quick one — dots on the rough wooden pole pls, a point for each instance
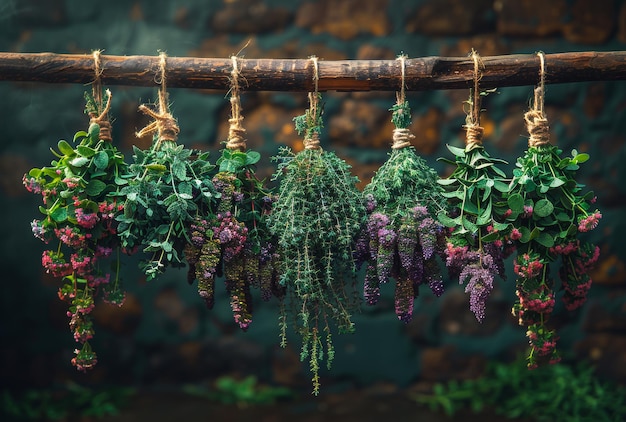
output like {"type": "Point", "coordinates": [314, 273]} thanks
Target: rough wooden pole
{"type": "Point", "coordinates": [426, 73]}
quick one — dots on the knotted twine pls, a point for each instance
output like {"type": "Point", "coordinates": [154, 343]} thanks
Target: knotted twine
{"type": "Point", "coordinates": [473, 130]}
{"type": "Point", "coordinates": [536, 120]}
{"type": "Point", "coordinates": [401, 135]}
{"type": "Point", "coordinates": [312, 138]}
{"type": "Point", "coordinates": [236, 132]}
{"type": "Point", "coordinates": [101, 119]}
{"type": "Point", "coordinates": [164, 123]}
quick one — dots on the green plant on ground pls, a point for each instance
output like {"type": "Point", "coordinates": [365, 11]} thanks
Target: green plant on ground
{"type": "Point", "coordinates": [241, 393]}
{"type": "Point", "coordinates": [550, 393]}
{"type": "Point", "coordinates": [64, 403]}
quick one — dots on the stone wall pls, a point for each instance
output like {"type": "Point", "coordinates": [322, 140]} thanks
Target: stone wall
{"type": "Point", "coordinates": [163, 333]}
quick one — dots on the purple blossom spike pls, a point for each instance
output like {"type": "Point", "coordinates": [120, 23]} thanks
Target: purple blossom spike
{"type": "Point", "coordinates": [404, 296]}
{"type": "Point", "coordinates": [371, 288]}
{"type": "Point", "coordinates": [386, 248]}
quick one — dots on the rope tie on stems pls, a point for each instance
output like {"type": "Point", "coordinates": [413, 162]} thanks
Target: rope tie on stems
{"type": "Point", "coordinates": [473, 130]}
{"type": "Point", "coordinates": [164, 123]}
{"type": "Point", "coordinates": [312, 138]}
{"type": "Point", "coordinates": [101, 119]}
{"type": "Point", "coordinates": [401, 135]}
{"type": "Point", "coordinates": [536, 120]}
{"type": "Point", "coordinates": [236, 132]}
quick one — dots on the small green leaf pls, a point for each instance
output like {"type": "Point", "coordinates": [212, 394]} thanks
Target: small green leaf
{"type": "Point", "coordinates": [556, 182]}
{"type": "Point", "coordinates": [252, 157]}
{"type": "Point", "coordinates": [94, 131]}
{"type": "Point", "coordinates": [95, 187]}
{"type": "Point", "coordinates": [79, 134]}
{"type": "Point", "coordinates": [581, 158]}
{"type": "Point", "coordinates": [59, 215]}
{"type": "Point", "coordinates": [65, 148]}
{"type": "Point", "coordinates": [156, 167]}
{"type": "Point", "coordinates": [101, 160]}
{"type": "Point", "coordinates": [490, 237]}
{"type": "Point", "coordinates": [458, 152]}
{"type": "Point", "coordinates": [447, 221]}
{"type": "Point", "coordinates": [85, 151]}
{"type": "Point", "coordinates": [516, 203]}
{"type": "Point", "coordinates": [543, 208]}
{"type": "Point", "coordinates": [544, 239]}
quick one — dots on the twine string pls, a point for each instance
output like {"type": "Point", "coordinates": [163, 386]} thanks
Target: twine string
{"type": "Point", "coordinates": [164, 123]}
{"type": "Point", "coordinates": [401, 136]}
{"type": "Point", "coordinates": [473, 130]}
{"type": "Point", "coordinates": [312, 139]}
{"type": "Point", "coordinates": [535, 118]}
{"type": "Point", "coordinates": [236, 132]}
{"type": "Point", "coordinates": [101, 119]}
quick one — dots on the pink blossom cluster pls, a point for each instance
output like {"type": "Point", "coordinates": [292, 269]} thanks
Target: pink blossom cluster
{"type": "Point", "coordinates": [527, 267]}
{"type": "Point", "coordinates": [82, 264]}
{"type": "Point", "coordinates": [72, 236]}
{"type": "Point", "coordinates": [543, 345]}
{"type": "Point", "coordinates": [565, 249]}
{"type": "Point", "coordinates": [589, 222]}
{"type": "Point", "coordinates": [231, 234]}
{"type": "Point", "coordinates": [39, 231]}
{"type": "Point", "coordinates": [31, 184]}
{"type": "Point", "coordinates": [540, 300]}
{"type": "Point", "coordinates": [86, 220]}
{"type": "Point", "coordinates": [55, 264]}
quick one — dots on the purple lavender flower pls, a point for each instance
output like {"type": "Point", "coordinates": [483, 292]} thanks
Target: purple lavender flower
{"type": "Point", "coordinates": [404, 296]}
{"type": "Point", "coordinates": [428, 236]}
{"type": "Point", "coordinates": [410, 260]}
{"type": "Point", "coordinates": [479, 285]}
{"type": "Point", "coordinates": [371, 287]}
{"type": "Point", "coordinates": [370, 203]}
{"type": "Point", "coordinates": [386, 251]}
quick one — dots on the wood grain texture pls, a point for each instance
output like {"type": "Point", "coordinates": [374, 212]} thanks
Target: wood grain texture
{"type": "Point", "coordinates": [426, 73]}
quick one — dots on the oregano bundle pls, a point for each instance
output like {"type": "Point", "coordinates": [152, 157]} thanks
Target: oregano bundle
{"type": "Point", "coordinates": [548, 210]}
{"type": "Point", "coordinates": [80, 202]}
{"type": "Point", "coordinates": [316, 219]}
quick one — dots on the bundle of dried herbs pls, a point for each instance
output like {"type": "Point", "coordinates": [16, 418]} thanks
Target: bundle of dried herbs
{"type": "Point", "coordinates": [318, 214]}
{"type": "Point", "coordinates": [235, 241]}
{"type": "Point", "coordinates": [169, 186]}
{"type": "Point", "coordinates": [79, 191]}
{"type": "Point", "coordinates": [475, 249]}
{"type": "Point", "coordinates": [402, 237]}
{"type": "Point", "coordinates": [548, 211]}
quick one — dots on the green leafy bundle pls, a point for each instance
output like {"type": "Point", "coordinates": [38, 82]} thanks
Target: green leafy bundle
{"type": "Point", "coordinates": [475, 249]}
{"type": "Point", "coordinates": [169, 186]}
{"type": "Point", "coordinates": [401, 238]}
{"type": "Point", "coordinates": [548, 210]}
{"type": "Point", "coordinates": [79, 191]}
{"type": "Point", "coordinates": [316, 219]}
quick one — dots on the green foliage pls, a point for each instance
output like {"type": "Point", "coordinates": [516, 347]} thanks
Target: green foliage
{"type": "Point", "coordinates": [404, 181]}
{"type": "Point", "coordinates": [241, 393]}
{"type": "Point", "coordinates": [67, 403]}
{"type": "Point", "coordinates": [316, 218]}
{"type": "Point", "coordinates": [167, 188]}
{"type": "Point", "coordinates": [551, 393]}
{"type": "Point", "coordinates": [473, 189]}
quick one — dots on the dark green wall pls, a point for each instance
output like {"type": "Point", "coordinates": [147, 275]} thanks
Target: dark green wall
{"type": "Point", "coordinates": [163, 333]}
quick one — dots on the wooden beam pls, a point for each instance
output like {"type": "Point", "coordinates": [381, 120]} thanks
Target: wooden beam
{"type": "Point", "coordinates": [426, 73]}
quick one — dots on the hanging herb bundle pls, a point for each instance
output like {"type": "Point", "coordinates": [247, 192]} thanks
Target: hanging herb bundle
{"type": "Point", "coordinates": [474, 251]}
{"type": "Point", "coordinates": [168, 187]}
{"type": "Point", "coordinates": [236, 241]}
{"type": "Point", "coordinates": [316, 219]}
{"type": "Point", "coordinates": [548, 210]}
{"type": "Point", "coordinates": [401, 238]}
{"type": "Point", "coordinates": [79, 191]}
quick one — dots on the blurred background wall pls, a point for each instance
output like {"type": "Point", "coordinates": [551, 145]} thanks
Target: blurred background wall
{"type": "Point", "coordinates": [163, 334]}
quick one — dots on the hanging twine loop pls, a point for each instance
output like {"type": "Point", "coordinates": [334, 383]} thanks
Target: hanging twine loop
{"type": "Point", "coordinates": [164, 123]}
{"type": "Point", "coordinates": [236, 132]}
{"type": "Point", "coordinates": [473, 130]}
{"type": "Point", "coordinates": [536, 120]}
{"type": "Point", "coordinates": [402, 136]}
{"type": "Point", "coordinates": [312, 139]}
{"type": "Point", "coordinates": [101, 119]}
